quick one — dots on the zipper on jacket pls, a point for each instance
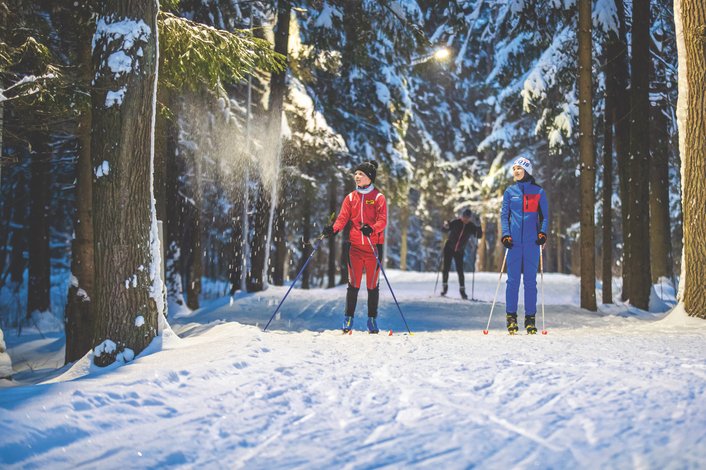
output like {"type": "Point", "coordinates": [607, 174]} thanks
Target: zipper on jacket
{"type": "Point", "coordinates": [362, 203]}
{"type": "Point", "coordinates": [522, 226]}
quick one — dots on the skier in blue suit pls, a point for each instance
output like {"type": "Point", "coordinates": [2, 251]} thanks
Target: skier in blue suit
{"type": "Point", "coordinates": [524, 218]}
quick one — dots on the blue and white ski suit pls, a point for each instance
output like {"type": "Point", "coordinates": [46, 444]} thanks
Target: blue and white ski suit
{"type": "Point", "coordinates": [525, 213]}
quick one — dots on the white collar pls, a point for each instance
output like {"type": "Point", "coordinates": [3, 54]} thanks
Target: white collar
{"type": "Point", "coordinates": [365, 190]}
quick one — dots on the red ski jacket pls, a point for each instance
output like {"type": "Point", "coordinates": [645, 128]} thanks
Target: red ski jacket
{"type": "Point", "coordinates": [362, 209]}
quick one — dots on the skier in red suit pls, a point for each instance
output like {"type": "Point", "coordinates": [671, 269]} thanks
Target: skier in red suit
{"type": "Point", "coordinates": [366, 209]}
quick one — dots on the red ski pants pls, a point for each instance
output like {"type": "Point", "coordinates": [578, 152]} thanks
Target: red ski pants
{"type": "Point", "coordinates": [362, 258]}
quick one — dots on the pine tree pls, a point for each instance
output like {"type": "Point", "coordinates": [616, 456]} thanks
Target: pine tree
{"type": "Point", "coordinates": [638, 259]}
{"type": "Point", "coordinates": [690, 16]}
{"type": "Point", "coordinates": [588, 159]}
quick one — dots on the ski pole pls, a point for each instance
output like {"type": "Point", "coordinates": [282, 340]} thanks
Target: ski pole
{"type": "Point", "coordinates": [541, 284]}
{"type": "Point", "coordinates": [316, 247]}
{"type": "Point", "coordinates": [437, 274]}
{"type": "Point", "coordinates": [375, 252]}
{"type": "Point", "coordinates": [438, 270]}
{"type": "Point", "coordinates": [485, 332]}
{"type": "Point", "coordinates": [473, 282]}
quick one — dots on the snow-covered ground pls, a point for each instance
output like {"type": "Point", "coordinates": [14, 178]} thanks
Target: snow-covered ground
{"type": "Point", "coordinates": [613, 389]}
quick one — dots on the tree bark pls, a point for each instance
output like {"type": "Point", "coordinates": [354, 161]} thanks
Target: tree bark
{"type": "Point", "coordinates": [126, 308]}
{"type": "Point", "coordinates": [660, 231]}
{"type": "Point", "coordinates": [280, 241]}
{"type": "Point", "coordinates": [192, 239]}
{"type": "Point", "coordinates": [78, 316]}
{"type": "Point", "coordinates": [258, 245]}
{"type": "Point", "coordinates": [691, 117]}
{"type": "Point", "coordinates": [560, 242]}
{"type": "Point", "coordinates": [175, 207]}
{"type": "Point", "coordinates": [306, 236]}
{"type": "Point", "coordinates": [638, 262]}
{"type": "Point", "coordinates": [333, 208]}
{"type": "Point", "coordinates": [404, 229]}
{"type": "Point", "coordinates": [235, 264]}
{"type": "Point", "coordinates": [588, 160]}
{"type": "Point", "coordinates": [607, 265]}
{"type": "Point", "coordinates": [618, 59]}
{"type": "Point", "coordinates": [38, 278]}
{"type": "Point", "coordinates": [482, 246]}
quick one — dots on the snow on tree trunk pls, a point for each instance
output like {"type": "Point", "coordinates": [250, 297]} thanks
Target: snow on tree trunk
{"type": "Point", "coordinates": [125, 69]}
{"type": "Point", "coordinates": [588, 160]}
{"type": "Point", "coordinates": [690, 28]}
{"type": "Point", "coordinates": [638, 260]}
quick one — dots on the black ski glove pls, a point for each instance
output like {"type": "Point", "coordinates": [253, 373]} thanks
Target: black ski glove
{"type": "Point", "coordinates": [367, 230]}
{"type": "Point", "coordinates": [328, 231]}
{"type": "Point", "coordinates": [541, 238]}
{"type": "Point", "coordinates": [507, 241]}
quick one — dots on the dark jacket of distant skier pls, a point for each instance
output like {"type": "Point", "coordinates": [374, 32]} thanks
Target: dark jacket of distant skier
{"type": "Point", "coordinates": [460, 231]}
{"type": "Point", "coordinates": [524, 218]}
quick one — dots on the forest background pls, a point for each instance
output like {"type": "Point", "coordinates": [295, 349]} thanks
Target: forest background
{"type": "Point", "coordinates": [263, 108]}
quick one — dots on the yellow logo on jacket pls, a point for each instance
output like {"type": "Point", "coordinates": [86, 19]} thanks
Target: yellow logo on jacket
{"type": "Point", "coordinates": [370, 201]}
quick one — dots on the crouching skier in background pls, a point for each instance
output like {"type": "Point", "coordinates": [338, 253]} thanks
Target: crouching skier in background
{"type": "Point", "coordinates": [366, 208]}
{"type": "Point", "coordinates": [524, 217]}
{"type": "Point", "coordinates": [460, 231]}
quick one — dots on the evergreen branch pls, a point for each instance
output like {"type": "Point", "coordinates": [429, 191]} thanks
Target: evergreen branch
{"type": "Point", "coordinates": [195, 54]}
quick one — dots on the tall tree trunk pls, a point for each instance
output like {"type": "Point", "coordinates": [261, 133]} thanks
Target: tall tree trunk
{"type": "Point", "coordinates": [404, 229]}
{"type": "Point", "coordinates": [690, 16]}
{"type": "Point", "coordinates": [38, 279]}
{"type": "Point", "coordinates": [280, 241]}
{"type": "Point", "coordinates": [333, 208]}
{"type": "Point", "coordinates": [618, 59]}
{"type": "Point", "coordinates": [235, 263]}
{"type": "Point", "coordinates": [560, 242]}
{"type": "Point", "coordinates": [607, 265]}
{"type": "Point", "coordinates": [638, 261]}
{"type": "Point", "coordinates": [481, 264]}
{"type": "Point", "coordinates": [268, 195]}
{"type": "Point", "coordinates": [78, 316]}
{"type": "Point", "coordinates": [125, 304]}
{"type": "Point", "coordinates": [175, 207]}
{"type": "Point", "coordinates": [660, 232]}
{"type": "Point", "coordinates": [258, 245]}
{"type": "Point", "coordinates": [306, 236]}
{"type": "Point", "coordinates": [192, 241]}
{"type": "Point", "coordinates": [588, 160]}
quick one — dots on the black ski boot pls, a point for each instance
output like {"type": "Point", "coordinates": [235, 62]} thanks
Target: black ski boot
{"type": "Point", "coordinates": [463, 293]}
{"type": "Point", "coordinates": [529, 325]}
{"type": "Point", "coordinates": [512, 323]}
{"type": "Point", "coordinates": [444, 289]}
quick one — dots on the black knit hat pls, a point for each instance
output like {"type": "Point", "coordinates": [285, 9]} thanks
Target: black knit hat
{"type": "Point", "coordinates": [467, 213]}
{"type": "Point", "coordinates": [369, 168]}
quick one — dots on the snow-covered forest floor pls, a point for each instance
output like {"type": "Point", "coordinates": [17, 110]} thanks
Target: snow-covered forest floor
{"type": "Point", "coordinates": [612, 389]}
